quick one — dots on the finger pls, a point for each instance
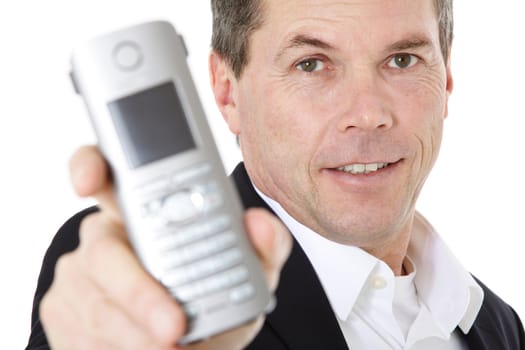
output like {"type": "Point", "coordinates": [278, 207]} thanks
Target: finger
{"type": "Point", "coordinates": [271, 240]}
{"type": "Point", "coordinates": [86, 318]}
{"type": "Point", "coordinates": [57, 320]}
{"type": "Point", "coordinates": [59, 314]}
{"type": "Point", "coordinates": [108, 323]}
{"type": "Point", "coordinates": [88, 171]}
{"type": "Point", "coordinates": [125, 281]}
{"type": "Point", "coordinates": [90, 177]}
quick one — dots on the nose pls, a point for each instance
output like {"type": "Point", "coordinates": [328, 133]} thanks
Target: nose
{"type": "Point", "coordinates": [366, 107]}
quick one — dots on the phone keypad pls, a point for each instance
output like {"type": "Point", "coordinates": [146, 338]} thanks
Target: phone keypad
{"type": "Point", "coordinates": [199, 256]}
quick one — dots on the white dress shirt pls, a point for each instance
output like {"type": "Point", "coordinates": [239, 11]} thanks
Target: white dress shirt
{"type": "Point", "coordinates": [377, 310]}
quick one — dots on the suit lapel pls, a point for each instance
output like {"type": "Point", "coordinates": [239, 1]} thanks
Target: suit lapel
{"type": "Point", "coordinates": [303, 318]}
{"type": "Point", "coordinates": [478, 339]}
{"type": "Point", "coordinates": [481, 336]}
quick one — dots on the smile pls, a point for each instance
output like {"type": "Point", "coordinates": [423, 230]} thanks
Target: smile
{"type": "Point", "coordinates": [356, 169]}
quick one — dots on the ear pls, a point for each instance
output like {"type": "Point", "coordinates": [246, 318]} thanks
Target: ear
{"type": "Point", "coordinates": [449, 84]}
{"type": "Point", "coordinates": [223, 84]}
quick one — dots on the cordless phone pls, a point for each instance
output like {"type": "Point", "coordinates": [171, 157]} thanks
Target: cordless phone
{"type": "Point", "coordinates": [183, 215]}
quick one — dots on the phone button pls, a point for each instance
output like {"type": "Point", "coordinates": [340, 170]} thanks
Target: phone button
{"type": "Point", "coordinates": [127, 55]}
{"type": "Point", "coordinates": [169, 240]}
{"type": "Point", "coordinates": [242, 293]}
{"type": "Point", "coordinates": [223, 280]}
{"type": "Point", "coordinates": [199, 250]}
{"type": "Point", "coordinates": [182, 206]}
{"type": "Point", "coordinates": [202, 268]}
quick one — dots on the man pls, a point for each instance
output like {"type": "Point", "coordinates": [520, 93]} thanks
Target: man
{"type": "Point", "coordinates": [339, 109]}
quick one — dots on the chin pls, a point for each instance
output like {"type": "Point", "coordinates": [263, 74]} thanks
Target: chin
{"type": "Point", "coordinates": [364, 228]}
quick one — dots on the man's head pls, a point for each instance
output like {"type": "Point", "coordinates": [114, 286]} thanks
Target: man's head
{"type": "Point", "coordinates": [339, 108]}
{"type": "Point", "coordinates": [235, 20]}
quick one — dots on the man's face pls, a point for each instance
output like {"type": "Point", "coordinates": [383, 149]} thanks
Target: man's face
{"type": "Point", "coordinates": [340, 112]}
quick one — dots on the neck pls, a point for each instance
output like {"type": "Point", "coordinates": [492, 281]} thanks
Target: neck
{"type": "Point", "coordinates": [393, 252]}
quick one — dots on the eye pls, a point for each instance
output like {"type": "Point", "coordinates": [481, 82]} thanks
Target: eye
{"type": "Point", "coordinates": [402, 61]}
{"type": "Point", "coordinates": [310, 65]}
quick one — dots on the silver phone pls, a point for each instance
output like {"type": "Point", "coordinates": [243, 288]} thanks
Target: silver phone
{"type": "Point", "coordinates": [182, 213]}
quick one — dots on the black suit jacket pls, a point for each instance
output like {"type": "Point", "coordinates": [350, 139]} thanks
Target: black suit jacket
{"type": "Point", "coordinates": [303, 318]}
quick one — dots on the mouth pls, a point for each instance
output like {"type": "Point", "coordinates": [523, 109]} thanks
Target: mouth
{"type": "Point", "coordinates": [362, 168]}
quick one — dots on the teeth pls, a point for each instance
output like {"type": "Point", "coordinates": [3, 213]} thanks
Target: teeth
{"type": "Point", "coordinates": [362, 168]}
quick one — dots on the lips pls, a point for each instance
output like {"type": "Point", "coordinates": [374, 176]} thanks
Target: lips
{"type": "Point", "coordinates": [363, 177]}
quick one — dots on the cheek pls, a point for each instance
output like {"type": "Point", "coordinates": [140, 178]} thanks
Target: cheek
{"type": "Point", "coordinates": [435, 107]}
{"type": "Point", "coordinates": [422, 110]}
{"type": "Point", "coordinates": [429, 131]}
{"type": "Point", "coordinates": [281, 120]}
{"type": "Point", "coordinates": [263, 131]}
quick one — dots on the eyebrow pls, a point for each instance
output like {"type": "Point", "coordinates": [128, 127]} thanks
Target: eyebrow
{"type": "Point", "coordinates": [302, 40]}
{"type": "Point", "coordinates": [409, 44]}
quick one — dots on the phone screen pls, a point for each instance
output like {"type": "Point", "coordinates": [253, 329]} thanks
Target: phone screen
{"type": "Point", "coordinates": [151, 125]}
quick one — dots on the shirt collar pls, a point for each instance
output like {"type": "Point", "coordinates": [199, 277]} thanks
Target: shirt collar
{"type": "Point", "coordinates": [443, 285]}
{"type": "Point", "coordinates": [449, 292]}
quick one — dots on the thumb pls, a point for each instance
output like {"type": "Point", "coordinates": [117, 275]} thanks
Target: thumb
{"type": "Point", "coordinates": [91, 177]}
{"type": "Point", "coordinates": [271, 240]}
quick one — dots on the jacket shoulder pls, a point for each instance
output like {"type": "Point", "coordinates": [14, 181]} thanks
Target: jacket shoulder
{"type": "Point", "coordinates": [497, 323]}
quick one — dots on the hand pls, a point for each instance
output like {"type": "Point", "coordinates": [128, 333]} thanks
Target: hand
{"type": "Point", "coordinates": [101, 296]}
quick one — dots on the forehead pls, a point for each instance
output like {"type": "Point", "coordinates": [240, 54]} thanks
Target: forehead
{"type": "Point", "coordinates": [345, 22]}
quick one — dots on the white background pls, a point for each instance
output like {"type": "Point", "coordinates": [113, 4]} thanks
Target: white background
{"type": "Point", "coordinates": [474, 196]}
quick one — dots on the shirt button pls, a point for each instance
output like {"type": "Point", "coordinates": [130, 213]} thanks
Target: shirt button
{"type": "Point", "coordinates": [378, 282]}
